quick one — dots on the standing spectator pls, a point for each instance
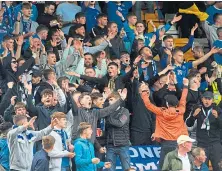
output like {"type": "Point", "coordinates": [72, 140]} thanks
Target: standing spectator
{"type": "Point", "coordinates": [21, 142]}
{"type": "Point", "coordinates": [209, 119]}
{"type": "Point", "coordinates": [123, 7]}
{"type": "Point", "coordinates": [34, 10]}
{"type": "Point", "coordinates": [169, 120]}
{"type": "Point", "coordinates": [91, 14]}
{"type": "Point", "coordinates": [212, 10]}
{"type": "Point", "coordinates": [101, 27]}
{"type": "Point", "coordinates": [4, 151]}
{"type": "Point", "coordinates": [85, 157]}
{"type": "Point", "coordinates": [67, 11]}
{"type": "Point", "coordinates": [199, 159]}
{"type": "Point", "coordinates": [24, 24]}
{"type": "Point", "coordinates": [181, 68]}
{"type": "Point", "coordinates": [47, 18]}
{"type": "Point", "coordinates": [41, 159]}
{"type": "Point", "coordinates": [117, 125]}
{"type": "Point", "coordinates": [63, 149]}
{"type": "Point", "coordinates": [218, 44]}
{"type": "Point", "coordinates": [180, 159]}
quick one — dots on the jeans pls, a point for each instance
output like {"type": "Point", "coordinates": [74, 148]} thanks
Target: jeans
{"type": "Point", "coordinates": [122, 152]}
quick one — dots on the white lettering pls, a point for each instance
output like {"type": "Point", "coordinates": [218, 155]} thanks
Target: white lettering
{"type": "Point", "coordinates": [157, 151]}
{"type": "Point", "coordinates": [145, 153]}
{"type": "Point", "coordinates": [135, 153]}
{"type": "Point", "coordinates": [148, 166]}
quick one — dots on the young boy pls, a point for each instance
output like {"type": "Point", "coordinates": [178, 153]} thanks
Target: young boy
{"type": "Point", "coordinates": [218, 44]}
{"type": "Point", "coordinates": [62, 150]}
{"type": "Point", "coordinates": [85, 158]}
{"type": "Point", "coordinates": [21, 142]}
{"type": "Point", "coordinates": [4, 151]}
{"type": "Point", "coordinates": [41, 160]}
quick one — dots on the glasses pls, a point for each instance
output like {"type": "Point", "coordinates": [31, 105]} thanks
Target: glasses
{"type": "Point", "coordinates": [14, 62]}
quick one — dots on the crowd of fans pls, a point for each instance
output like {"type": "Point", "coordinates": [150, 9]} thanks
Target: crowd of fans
{"type": "Point", "coordinates": [79, 85]}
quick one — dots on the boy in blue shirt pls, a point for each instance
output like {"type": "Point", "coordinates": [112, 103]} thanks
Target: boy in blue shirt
{"type": "Point", "coordinates": [182, 68]}
{"type": "Point", "coordinates": [85, 156]}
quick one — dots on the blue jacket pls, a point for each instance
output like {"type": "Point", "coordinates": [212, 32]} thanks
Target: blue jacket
{"type": "Point", "coordinates": [4, 154]}
{"type": "Point", "coordinates": [203, 167]}
{"type": "Point", "coordinates": [40, 161]}
{"type": "Point", "coordinates": [84, 151]}
{"type": "Point", "coordinates": [131, 35]}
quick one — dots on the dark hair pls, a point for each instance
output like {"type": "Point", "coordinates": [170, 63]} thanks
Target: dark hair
{"type": "Point", "coordinates": [26, 5]}
{"type": "Point", "coordinates": [216, 16]}
{"type": "Point", "coordinates": [47, 92]}
{"type": "Point", "coordinates": [141, 22]}
{"type": "Point", "coordinates": [90, 68]}
{"type": "Point", "coordinates": [110, 24]}
{"type": "Point", "coordinates": [193, 73]}
{"type": "Point", "coordinates": [123, 53]}
{"type": "Point", "coordinates": [79, 15]}
{"type": "Point", "coordinates": [60, 79]}
{"type": "Point", "coordinates": [141, 50]}
{"type": "Point", "coordinates": [130, 15]}
{"type": "Point", "coordinates": [101, 16]}
{"type": "Point", "coordinates": [167, 37]}
{"type": "Point", "coordinates": [219, 30]}
{"type": "Point", "coordinates": [47, 72]}
{"type": "Point", "coordinates": [41, 28]}
{"type": "Point", "coordinates": [48, 3]}
{"type": "Point", "coordinates": [7, 37]}
{"type": "Point", "coordinates": [5, 126]}
{"type": "Point", "coordinates": [82, 95]}
{"type": "Point", "coordinates": [87, 53]}
{"type": "Point", "coordinates": [95, 95]}
{"type": "Point", "coordinates": [113, 63]}
{"type": "Point", "coordinates": [19, 105]}
{"type": "Point", "coordinates": [50, 53]}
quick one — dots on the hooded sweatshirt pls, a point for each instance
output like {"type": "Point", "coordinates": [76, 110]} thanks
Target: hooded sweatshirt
{"type": "Point", "coordinates": [84, 151]}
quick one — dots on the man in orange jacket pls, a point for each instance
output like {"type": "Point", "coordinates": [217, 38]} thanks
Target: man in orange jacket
{"type": "Point", "coordinates": [169, 120]}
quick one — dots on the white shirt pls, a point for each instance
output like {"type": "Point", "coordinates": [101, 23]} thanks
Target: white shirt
{"type": "Point", "coordinates": [185, 161]}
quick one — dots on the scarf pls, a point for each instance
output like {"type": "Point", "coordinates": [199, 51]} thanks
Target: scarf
{"type": "Point", "coordinates": [26, 25]}
{"type": "Point", "coordinates": [111, 84]}
{"type": "Point", "coordinates": [20, 137]}
{"type": "Point", "coordinates": [64, 138]}
{"type": "Point", "coordinates": [206, 123]}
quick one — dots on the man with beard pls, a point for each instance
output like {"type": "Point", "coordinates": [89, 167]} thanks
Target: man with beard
{"type": "Point", "coordinates": [209, 121]}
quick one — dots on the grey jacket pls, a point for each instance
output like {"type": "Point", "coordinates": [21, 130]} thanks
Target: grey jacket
{"type": "Point", "coordinates": [21, 153]}
{"type": "Point", "coordinates": [91, 116]}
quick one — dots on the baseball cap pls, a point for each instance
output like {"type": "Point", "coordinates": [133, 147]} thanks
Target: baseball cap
{"type": "Point", "coordinates": [36, 73]}
{"type": "Point", "coordinates": [208, 94]}
{"type": "Point", "coordinates": [184, 138]}
{"type": "Point", "coordinates": [172, 100]}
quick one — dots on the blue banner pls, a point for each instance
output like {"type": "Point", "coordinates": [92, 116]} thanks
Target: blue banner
{"type": "Point", "coordinates": [143, 158]}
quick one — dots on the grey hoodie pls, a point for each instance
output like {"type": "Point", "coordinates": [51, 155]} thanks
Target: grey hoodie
{"type": "Point", "coordinates": [91, 116]}
{"type": "Point", "coordinates": [21, 153]}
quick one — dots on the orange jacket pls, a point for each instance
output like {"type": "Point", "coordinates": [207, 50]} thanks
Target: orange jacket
{"type": "Point", "coordinates": [169, 121]}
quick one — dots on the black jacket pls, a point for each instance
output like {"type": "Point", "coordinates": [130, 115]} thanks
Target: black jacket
{"type": "Point", "coordinates": [206, 137]}
{"type": "Point", "coordinates": [98, 31]}
{"type": "Point", "coordinates": [143, 120]}
{"type": "Point", "coordinates": [117, 126]}
{"type": "Point", "coordinates": [120, 81]}
{"type": "Point", "coordinates": [45, 19]}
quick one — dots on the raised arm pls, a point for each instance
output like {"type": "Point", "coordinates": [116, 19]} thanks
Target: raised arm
{"type": "Point", "coordinates": [182, 103]}
{"type": "Point", "coordinates": [33, 110]}
{"type": "Point", "coordinates": [205, 57]}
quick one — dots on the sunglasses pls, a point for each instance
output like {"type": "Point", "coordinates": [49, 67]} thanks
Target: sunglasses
{"type": "Point", "coordinates": [14, 62]}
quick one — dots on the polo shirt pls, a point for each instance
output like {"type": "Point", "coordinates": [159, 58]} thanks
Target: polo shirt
{"type": "Point", "coordinates": [182, 72]}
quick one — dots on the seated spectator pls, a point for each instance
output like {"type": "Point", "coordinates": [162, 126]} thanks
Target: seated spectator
{"type": "Point", "coordinates": [199, 159]}
{"type": "Point", "coordinates": [85, 157]}
{"type": "Point", "coordinates": [5, 127]}
{"type": "Point", "coordinates": [180, 159]}
{"type": "Point", "coordinates": [40, 160]}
